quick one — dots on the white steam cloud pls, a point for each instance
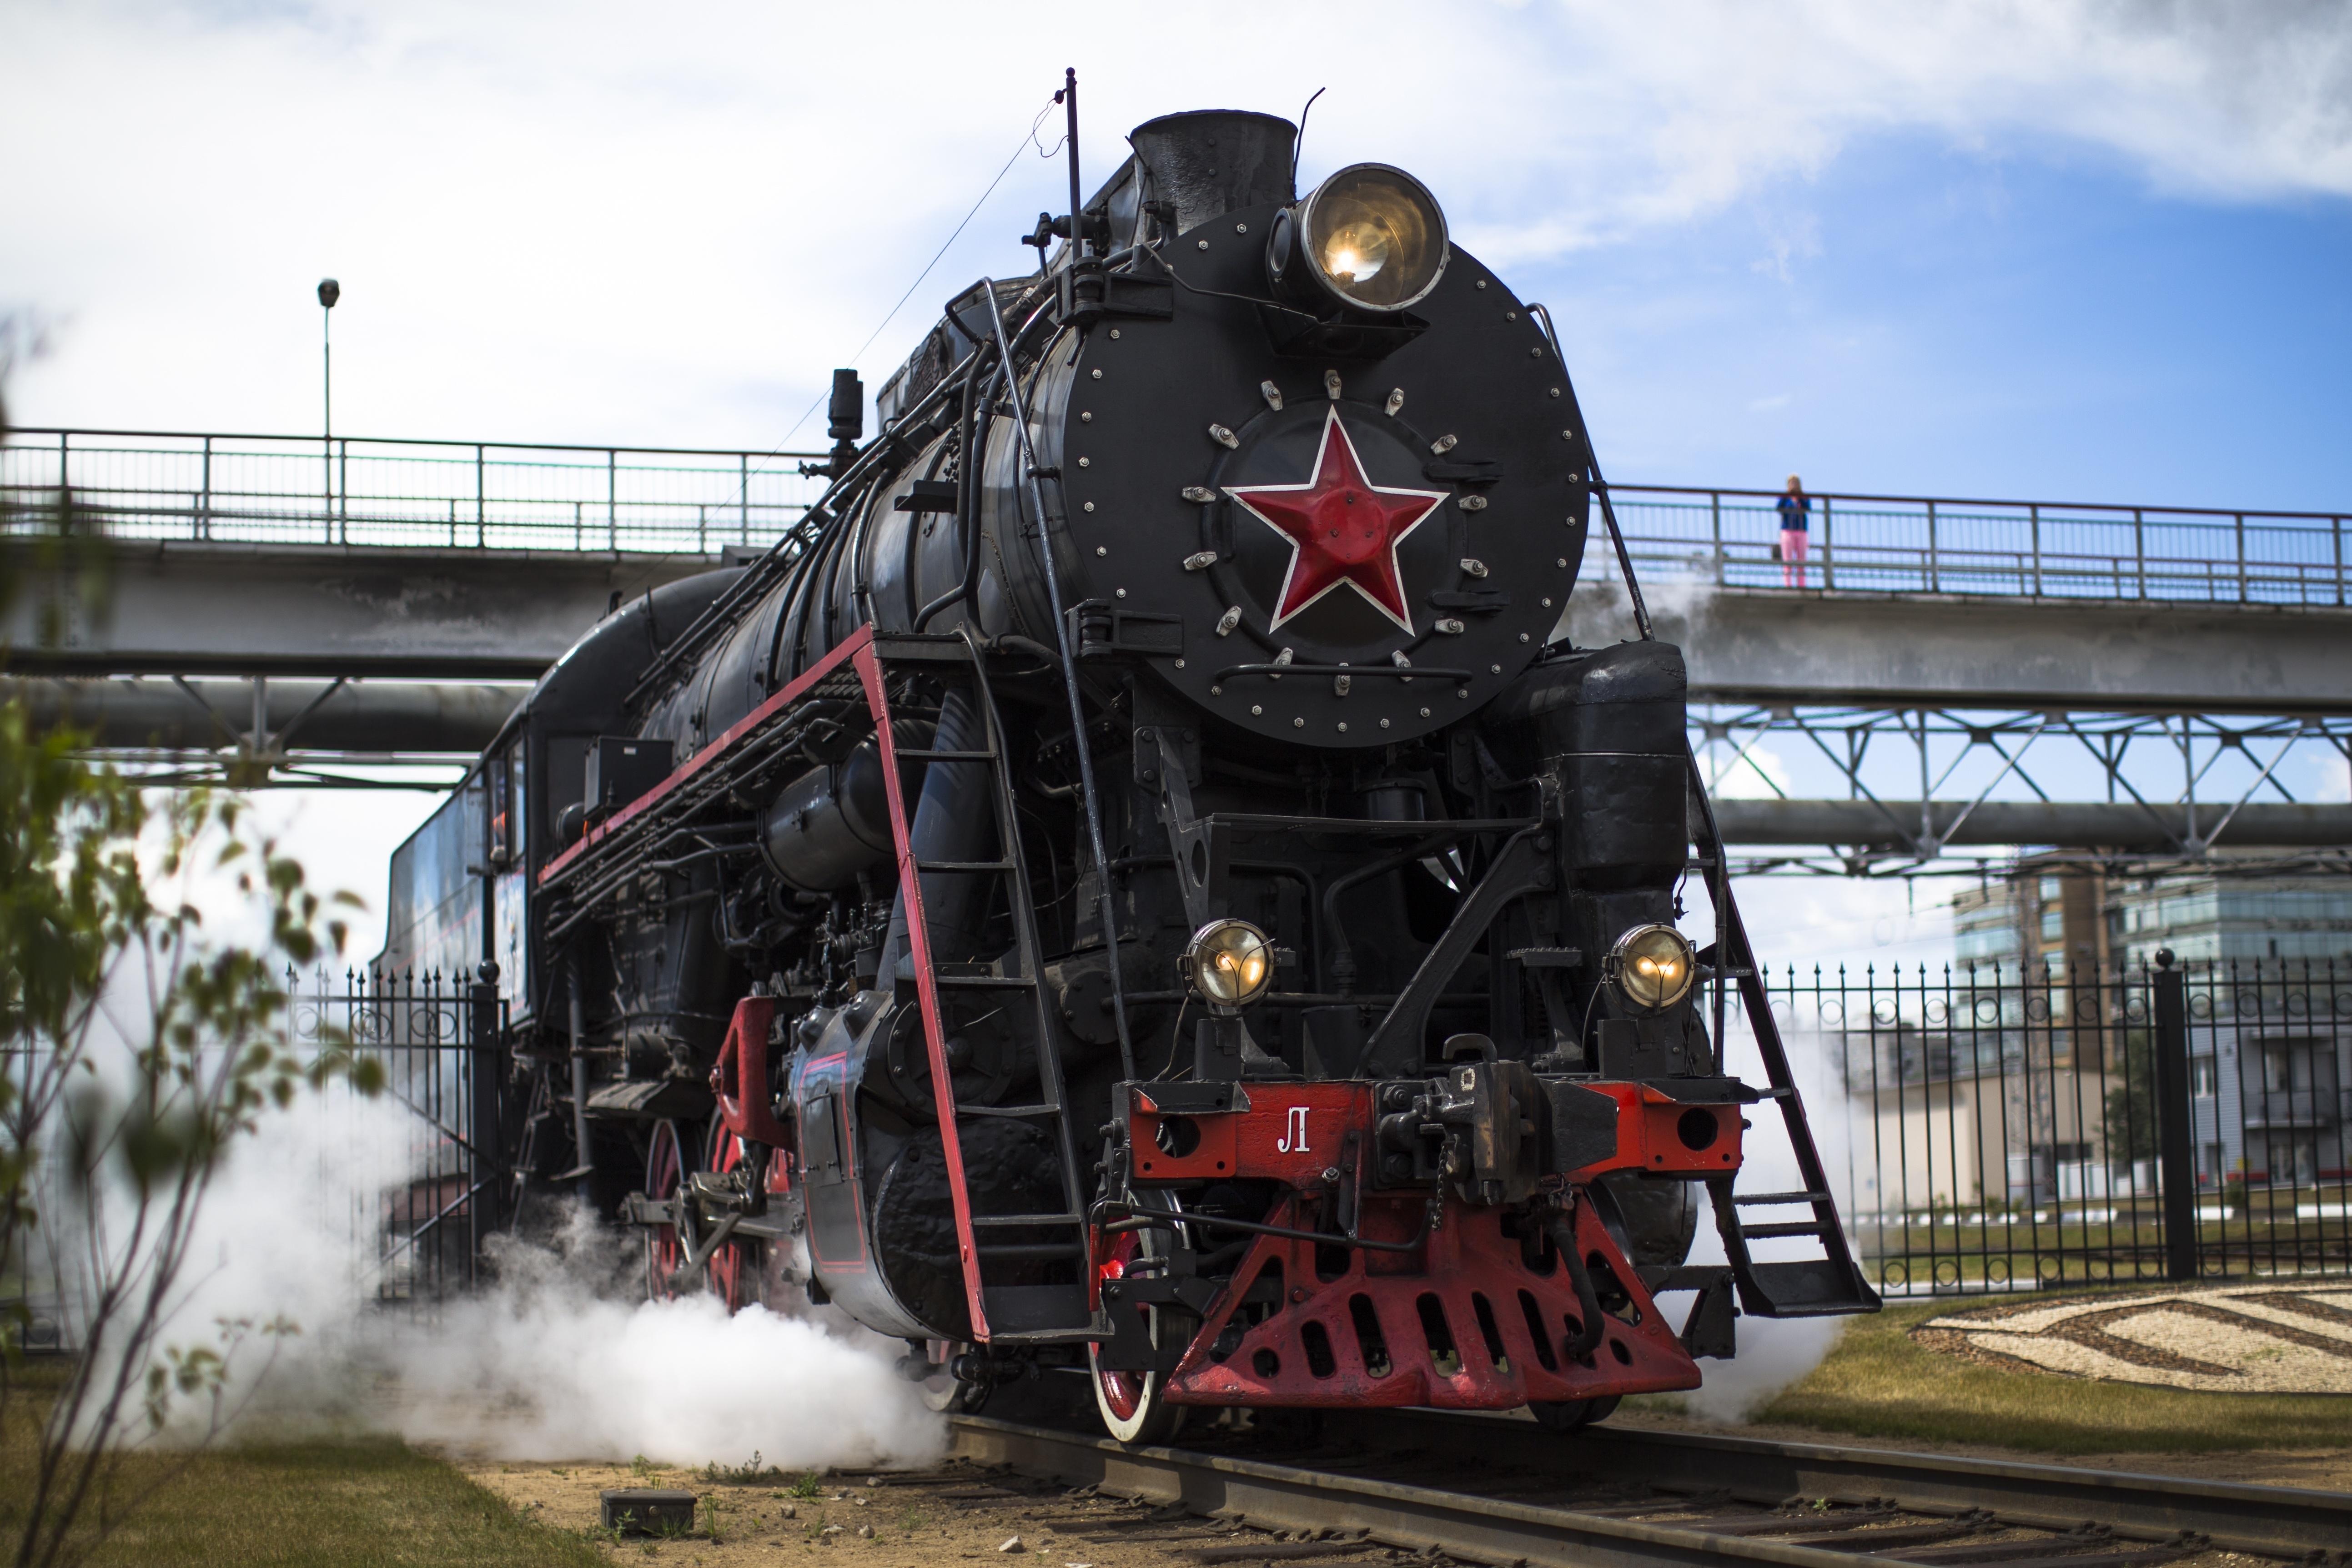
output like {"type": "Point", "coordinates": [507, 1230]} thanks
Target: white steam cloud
{"type": "Point", "coordinates": [1774, 1353]}
{"type": "Point", "coordinates": [559, 1358]}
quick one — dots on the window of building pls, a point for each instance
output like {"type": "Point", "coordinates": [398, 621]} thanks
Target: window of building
{"type": "Point", "coordinates": [2202, 1080]}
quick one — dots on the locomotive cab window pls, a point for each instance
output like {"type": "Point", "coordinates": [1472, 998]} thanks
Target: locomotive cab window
{"type": "Point", "coordinates": [502, 784]}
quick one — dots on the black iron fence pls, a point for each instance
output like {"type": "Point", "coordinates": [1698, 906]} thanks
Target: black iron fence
{"type": "Point", "coordinates": [2009, 1129]}
{"type": "Point", "coordinates": [420, 1166]}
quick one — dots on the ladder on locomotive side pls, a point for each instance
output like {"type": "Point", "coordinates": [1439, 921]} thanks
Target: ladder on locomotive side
{"type": "Point", "coordinates": [1830, 1285]}
{"type": "Point", "coordinates": [1002, 1313]}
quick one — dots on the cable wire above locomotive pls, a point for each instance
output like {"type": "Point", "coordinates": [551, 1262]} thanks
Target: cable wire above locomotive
{"type": "Point", "coordinates": [1134, 881]}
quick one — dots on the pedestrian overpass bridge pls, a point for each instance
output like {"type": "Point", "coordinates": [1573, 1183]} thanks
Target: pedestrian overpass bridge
{"type": "Point", "coordinates": [385, 601]}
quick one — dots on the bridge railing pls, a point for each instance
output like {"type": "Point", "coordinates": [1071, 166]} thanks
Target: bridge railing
{"type": "Point", "coordinates": [502, 495]}
{"type": "Point", "coordinates": [1919, 544]}
{"type": "Point", "coordinates": [288, 491]}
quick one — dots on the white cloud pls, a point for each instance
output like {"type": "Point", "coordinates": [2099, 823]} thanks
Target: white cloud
{"type": "Point", "coordinates": [1759, 772]}
{"type": "Point", "coordinates": [592, 221]}
{"type": "Point", "coordinates": [2334, 774]}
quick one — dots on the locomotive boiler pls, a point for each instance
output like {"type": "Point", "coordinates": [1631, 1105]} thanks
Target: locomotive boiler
{"type": "Point", "coordinates": [1137, 883]}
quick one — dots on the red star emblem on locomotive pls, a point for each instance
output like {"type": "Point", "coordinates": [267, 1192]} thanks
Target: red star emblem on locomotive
{"type": "Point", "coordinates": [1343, 529]}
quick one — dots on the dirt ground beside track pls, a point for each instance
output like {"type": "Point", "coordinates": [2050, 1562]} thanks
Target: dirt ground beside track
{"type": "Point", "coordinates": [942, 1517]}
{"type": "Point", "coordinates": [2327, 1469]}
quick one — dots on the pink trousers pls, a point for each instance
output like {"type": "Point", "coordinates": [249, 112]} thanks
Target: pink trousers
{"type": "Point", "coordinates": [1792, 557]}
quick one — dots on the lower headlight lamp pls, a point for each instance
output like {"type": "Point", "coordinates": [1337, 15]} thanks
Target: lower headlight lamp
{"type": "Point", "coordinates": [1230, 963]}
{"type": "Point", "coordinates": [1653, 967]}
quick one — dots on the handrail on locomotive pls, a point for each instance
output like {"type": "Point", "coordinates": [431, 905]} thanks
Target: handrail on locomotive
{"type": "Point", "coordinates": [1129, 884]}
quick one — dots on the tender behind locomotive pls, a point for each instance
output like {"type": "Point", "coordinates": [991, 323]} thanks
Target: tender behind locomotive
{"type": "Point", "coordinates": [1133, 882]}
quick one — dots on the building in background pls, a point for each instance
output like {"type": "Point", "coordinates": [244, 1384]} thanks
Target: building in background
{"type": "Point", "coordinates": [2037, 1086]}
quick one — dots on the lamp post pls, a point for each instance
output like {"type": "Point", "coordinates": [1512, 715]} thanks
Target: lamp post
{"type": "Point", "coordinates": [329, 292]}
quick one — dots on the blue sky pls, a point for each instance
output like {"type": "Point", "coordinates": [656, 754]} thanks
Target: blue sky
{"type": "Point", "coordinates": [2076, 249]}
{"type": "Point", "coordinates": [2028, 321]}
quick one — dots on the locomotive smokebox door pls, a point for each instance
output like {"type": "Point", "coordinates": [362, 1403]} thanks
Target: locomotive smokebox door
{"type": "Point", "coordinates": [1344, 545]}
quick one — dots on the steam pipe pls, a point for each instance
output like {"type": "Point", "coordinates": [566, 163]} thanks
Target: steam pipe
{"type": "Point", "coordinates": [1077, 239]}
{"type": "Point", "coordinates": [1069, 661]}
{"type": "Point", "coordinates": [579, 1076]}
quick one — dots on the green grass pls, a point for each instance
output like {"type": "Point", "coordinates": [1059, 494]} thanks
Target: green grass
{"type": "Point", "coordinates": [1880, 1383]}
{"type": "Point", "coordinates": [367, 1502]}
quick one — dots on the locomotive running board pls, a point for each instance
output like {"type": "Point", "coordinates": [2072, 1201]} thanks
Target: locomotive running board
{"type": "Point", "coordinates": [1825, 1287]}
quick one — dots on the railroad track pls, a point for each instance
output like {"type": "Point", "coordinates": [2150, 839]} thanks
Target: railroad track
{"type": "Point", "coordinates": [1484, 1489]}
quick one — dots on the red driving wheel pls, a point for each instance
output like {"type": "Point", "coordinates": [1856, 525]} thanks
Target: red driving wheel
{"type": "Point", "coordinates": [738, 1271]}
{"type": "Point", "coordinates": [664, 1173]}
{"type": "Point", "coordinates": [1132, 1404]}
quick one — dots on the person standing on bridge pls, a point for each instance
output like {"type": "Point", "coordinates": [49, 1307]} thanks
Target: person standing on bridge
{"type": "Point", "coordinates": [1796, 509]}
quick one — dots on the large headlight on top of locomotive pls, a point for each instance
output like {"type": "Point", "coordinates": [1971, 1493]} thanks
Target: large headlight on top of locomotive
{"type": "Point", "coordinates": [1229, 963]}
{"type": "Point", "coordinates": [1370, 238]}
{"type": "Point", "coordinates": [1652, 967]}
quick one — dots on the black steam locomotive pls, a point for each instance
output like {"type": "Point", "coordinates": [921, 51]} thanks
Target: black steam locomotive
{"type": "Point", "coordinates": [1136, 883]}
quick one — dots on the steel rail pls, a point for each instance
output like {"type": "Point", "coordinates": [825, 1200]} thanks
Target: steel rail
{"type": "Point", "coordinates": [1415, 1518]}
{"type": "Point", "coordinates": [2263, 1521]}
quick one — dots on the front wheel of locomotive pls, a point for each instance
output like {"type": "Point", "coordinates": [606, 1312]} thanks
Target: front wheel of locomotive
{"type": "Point", "coordinates": [1133, 1404]}
{"type": "Point", "coordinates": [1573, 1415]}
{"type": "Point", "coordinates": [666, 1173]}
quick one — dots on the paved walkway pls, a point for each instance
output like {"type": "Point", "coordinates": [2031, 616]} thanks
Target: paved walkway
{"type": "Point", "coordinates": [2269, 1337]}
